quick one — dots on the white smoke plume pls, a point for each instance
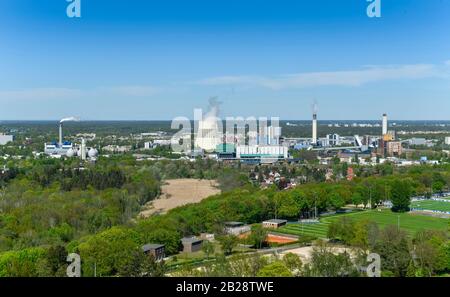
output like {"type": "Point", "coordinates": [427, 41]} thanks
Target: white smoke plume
{"type": "Point", "coordinates": [213, 108]}
{"type": "Point", "coordinates": [69, 119]}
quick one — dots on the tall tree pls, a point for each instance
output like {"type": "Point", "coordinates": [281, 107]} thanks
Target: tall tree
{"type": "Point", "coordinates": [400, 196]}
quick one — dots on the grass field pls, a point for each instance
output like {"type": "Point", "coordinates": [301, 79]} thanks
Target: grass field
{"type": "Point", "coordinates": [432, 205]}
{"type": "Point", "coordinates": [409, 222]}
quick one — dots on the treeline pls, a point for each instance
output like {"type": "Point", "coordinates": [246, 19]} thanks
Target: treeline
{"type": "Point", "coordinates": [425, 254]}
{"type": "Point", "coordinates": [99, 179]}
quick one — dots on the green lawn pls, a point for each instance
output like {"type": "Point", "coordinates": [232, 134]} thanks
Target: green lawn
{"type": "Point", "coordinates": [411, 223]}
{"type": "Point", "coordinates": [432, 205]}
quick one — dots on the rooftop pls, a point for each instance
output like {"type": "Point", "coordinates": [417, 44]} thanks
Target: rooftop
{"type": "Point", "coordinates": [191, 239]}
{"type": "Point", "coordinates": [152, 246]}
{"type": "Point", "coordinates": [276, 221]}
{"type": "Point", "coordinates": [233, 224]}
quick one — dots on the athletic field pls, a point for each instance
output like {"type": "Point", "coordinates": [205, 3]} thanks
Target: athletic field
{"type": "Point", "coordinates": [411, 223]}
{"type": "Point", "coordinates": [431, 205]}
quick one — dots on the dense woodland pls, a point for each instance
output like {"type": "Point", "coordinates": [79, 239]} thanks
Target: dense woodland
{"type": "Point", "coordinates": [51, 207]}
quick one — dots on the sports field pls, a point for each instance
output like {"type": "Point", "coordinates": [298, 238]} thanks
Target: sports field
{"type": "Point", "coordinates": [411, 223]}
{"type": "Point", "coordinates": [431, 205]}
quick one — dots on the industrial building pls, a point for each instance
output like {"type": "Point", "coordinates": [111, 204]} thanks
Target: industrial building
{"type": "Point", "coordinates": [417, 141]}
{"type": "Point", "coordinates": [394, 148]}
{"type": "Point", "coordinates": [333, 139]}
{"type": "Point", "coordinates": [157, 142]}
{"type": "Point", "coordinates": [270, 136]}
{"type": "Point", "coordinates": [4, 139]}
{"type": "Point", "coordinates": [266, 150]}
{"type": "Point", "coordinates": [387, 145]}
{"type": "Point", "coordinates": [262, 154]}
{"type": "Point", "coordinates": [67, 148]}
{"type": "Point", "coordinates": [61, 147]}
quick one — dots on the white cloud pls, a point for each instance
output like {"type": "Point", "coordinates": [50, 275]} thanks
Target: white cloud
{"type": "Point", "coordinates": [67, 93]}
{"type": "Point", "coordinates": [334, 78]}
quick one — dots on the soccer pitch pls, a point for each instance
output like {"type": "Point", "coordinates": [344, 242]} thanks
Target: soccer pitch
{"type": "Point", "coordinates": [411, 223]}
{"type": "Point", "coordinates": [431, 205]}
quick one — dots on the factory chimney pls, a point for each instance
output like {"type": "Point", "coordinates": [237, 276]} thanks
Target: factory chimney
{"type": "Point", "coordinates": [314, 129]}
{"type": "Point", "coordinates": [385, 124]}
{"type": "Point", "coordinates": [314, 124]}
{"type": "Point", "coordinates": [83, 149]}
{"type": "Point", "coordinates": [70, 119]}
{"type": "Point", "coordinates": [60, 134]}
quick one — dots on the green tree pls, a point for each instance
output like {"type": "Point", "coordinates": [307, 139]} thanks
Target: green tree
{"type": "Point", "coordinates": [400, 196]}
{"type": "Point", "coordinates": [228, 243]}
{"type": "Point", "coordinates": [293, 263]}
{"type": "Point", "coordinates": [208, 248]}
{"type": "Point", "coordinates": [429, 252]}
{"type": "Point", "coordinates": [258, 236]}
{"type": "Point", "coordinates": [105, 253]}
{"type": "Point", "coordinates": [324, 263]}
{"type": "Point", "coordinates": [392, 247]}
{"type": "Point", "coordinates": [275, 269]}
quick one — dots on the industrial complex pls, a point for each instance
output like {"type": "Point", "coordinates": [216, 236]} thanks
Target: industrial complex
{"type": "Point", "coordinates": [271, 147]}
{"type": "Point", "coordinates": [67, 148]}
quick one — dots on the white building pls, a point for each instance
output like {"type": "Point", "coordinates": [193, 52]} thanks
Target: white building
{"type": "Point", "coordinates": [271, 136]}
{"type": "Point", "coordinates": [333, 139]}
{"type": "Point", "coordinates": [4, 139]}
{"type": "Point", "coordinates": [263, 153]}
{"type": "Point", "coordinates": [157, 142]}
{"type": "Point", "coordinates": [447, 140]}
{"type": "Point", "coordinates": [417, 141]}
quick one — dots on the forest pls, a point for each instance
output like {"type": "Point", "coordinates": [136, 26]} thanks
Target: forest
{"type": "Point", "coordinates": [50, 207]}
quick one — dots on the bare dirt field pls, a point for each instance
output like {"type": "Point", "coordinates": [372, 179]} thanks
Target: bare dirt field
{"type": "Point", "coordinates": [305, 253]}
{"type": "Point", "coordinates": [178, 192]}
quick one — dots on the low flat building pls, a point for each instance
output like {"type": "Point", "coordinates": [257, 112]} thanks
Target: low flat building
{"type": "Point", "coordinates": [155, 249]}
{"type": "Point", "coordinates": [417, 141]}
{"type": "Point", "coordinates": [236, 228]}
{"type": "Point", "coordinates": [274, 223]}
{"type": "Point", "coordinates": [262, 153]}
{"type": "Point", "coordinates": [191, 244]}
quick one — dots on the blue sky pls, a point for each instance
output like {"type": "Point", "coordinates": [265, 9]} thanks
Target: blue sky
{"type": "Point", "coordinates": [151, 60]}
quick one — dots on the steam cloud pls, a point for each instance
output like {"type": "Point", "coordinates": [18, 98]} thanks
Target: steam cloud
{"type": "Point", "coordinates": [69, 119]}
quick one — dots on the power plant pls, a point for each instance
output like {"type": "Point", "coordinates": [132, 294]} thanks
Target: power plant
{"type": "Point", "coordinates": [67, 148]}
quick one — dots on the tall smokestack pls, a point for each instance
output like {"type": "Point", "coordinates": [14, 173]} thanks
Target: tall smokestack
{"type": "Point", "coordinates": [385, 124]}
{"type": "Point", "coordinates": [70, 119]}
{"type": "Point", "coordinates": [83, 149]}
{"type": "Point", "coordinates": [314, 129]}
{"type": "Point", "coordinates": [60, 134]}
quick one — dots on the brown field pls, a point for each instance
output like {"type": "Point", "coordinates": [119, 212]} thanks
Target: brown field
{"type": "Point", "coordinates": [272, 238]}
{"type": "Point", "coordinates": [178, 192]}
